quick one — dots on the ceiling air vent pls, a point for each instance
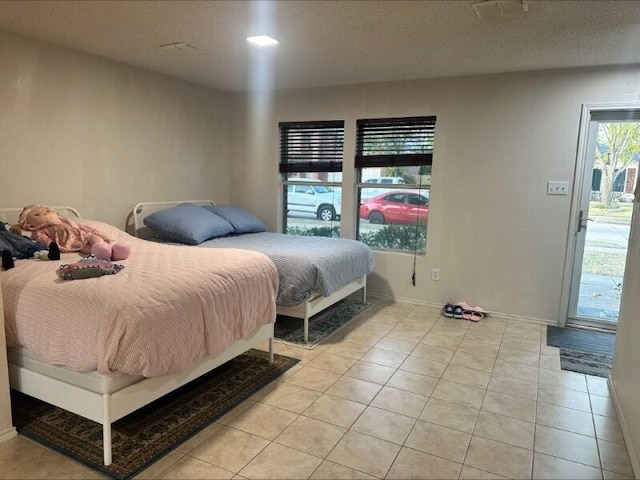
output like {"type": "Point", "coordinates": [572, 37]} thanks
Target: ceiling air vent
{"type": "Point", "coordinates": [499, 8]}
{"type": "Point", "coordinates": [182, 46]}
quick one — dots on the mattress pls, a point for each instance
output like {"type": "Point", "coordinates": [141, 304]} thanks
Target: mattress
{"type": "Point", "coordinates": [168, 308]}
{"type": "Point", "coordinates": [306, 265]}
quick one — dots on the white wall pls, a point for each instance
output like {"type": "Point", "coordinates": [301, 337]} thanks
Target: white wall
{"type": "Point", "coordinates": [497, 238]}
{"type": "Point", "coordinates": [625, 377]}
{"type": "Point", "coordinates": [101, 136]}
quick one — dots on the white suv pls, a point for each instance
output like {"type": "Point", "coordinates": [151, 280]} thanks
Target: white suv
{"type": "Point", "coordinates": [323, 201]}
{"type": "Point", "coordinates": [387, 180]}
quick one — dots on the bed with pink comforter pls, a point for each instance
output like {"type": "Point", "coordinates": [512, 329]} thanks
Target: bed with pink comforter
{"type": "Point", "coordinates": [167, 309]}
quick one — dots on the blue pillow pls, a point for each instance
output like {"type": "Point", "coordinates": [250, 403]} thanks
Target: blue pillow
{"type": "Point", "coordinates": [242, 220]}
{"type": "Point", "coordinates": [187, 223]}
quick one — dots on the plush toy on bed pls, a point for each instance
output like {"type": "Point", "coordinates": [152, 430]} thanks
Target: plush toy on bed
{"type": "Point", "coordinates": [46, 226]}
{"type": "Point", "coordinates": [15, 245]}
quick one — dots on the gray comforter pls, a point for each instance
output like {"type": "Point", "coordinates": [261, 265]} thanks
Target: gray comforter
{"type": "Point", "coordinates": [305, 264]}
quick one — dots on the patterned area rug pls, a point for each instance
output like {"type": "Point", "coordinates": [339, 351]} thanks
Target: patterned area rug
{"type": "Point", "coordinates": [144, 436]}
{"type": "Point", "coordinates": [321, 325]}
{"type": "Point", "coordinates": [583, 351]}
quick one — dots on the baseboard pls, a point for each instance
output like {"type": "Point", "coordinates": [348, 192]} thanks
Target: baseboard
{"type": "Point", "coordinates": [633, 457]}
{"type": "Point", "coordinates": [7, 434]}
{"type": "Point", "coordinates": [504, 316]}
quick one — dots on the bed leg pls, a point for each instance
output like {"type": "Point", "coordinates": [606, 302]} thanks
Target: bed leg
{"type": "Point", "coordinates": [270, 349]}
{"type": "Point", "coordinates": [364, 293]}
{"type": "Point", "coordinates": [106, 428]}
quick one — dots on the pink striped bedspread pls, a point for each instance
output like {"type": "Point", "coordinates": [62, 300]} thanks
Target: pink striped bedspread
{"type": "Point", "coordinates": [168, 308]}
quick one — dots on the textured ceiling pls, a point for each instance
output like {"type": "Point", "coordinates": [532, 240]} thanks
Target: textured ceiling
{"type": "Point", "coordinates": [326, 43]}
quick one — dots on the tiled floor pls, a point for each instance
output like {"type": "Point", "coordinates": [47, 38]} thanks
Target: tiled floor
{"type": "Point", "coordinates": [400, 393]}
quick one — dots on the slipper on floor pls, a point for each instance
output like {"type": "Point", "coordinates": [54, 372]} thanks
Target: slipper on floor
{"type": "Point", "coordinates": [447, 310]}
{"type": "Point", "coordinates": [465, 306]}
{"type": "Point", "coordinates": [475, 316]}
{"type": "Point", "coordinates": [457, 311]}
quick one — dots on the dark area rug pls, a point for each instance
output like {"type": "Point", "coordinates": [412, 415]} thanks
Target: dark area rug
{"type": "Point", "coordinates": [583, 351]}
{"type": "Point", "coordinates": [321, 325]}
{"type": "Point", "coordinates": [144, 436]}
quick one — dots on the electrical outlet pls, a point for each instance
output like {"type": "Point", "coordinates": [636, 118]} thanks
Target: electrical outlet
{"type": "Point", "coordinates": [557, 188]}
{"type": "Point", "coordinates": [435, 274]}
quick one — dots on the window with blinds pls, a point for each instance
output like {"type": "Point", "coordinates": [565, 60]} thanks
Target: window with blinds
{"type": "Point", "coordinates": [311, 156]}
{"type": "Point", "coordinates": [393, 161]}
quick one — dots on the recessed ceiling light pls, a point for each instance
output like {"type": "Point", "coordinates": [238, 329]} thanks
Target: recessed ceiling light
{"type": "Point", "coordinates": [262, 40]}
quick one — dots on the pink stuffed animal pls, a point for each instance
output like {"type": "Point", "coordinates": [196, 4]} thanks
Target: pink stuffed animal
{"type": "Point", "coordinates": [47, 226]}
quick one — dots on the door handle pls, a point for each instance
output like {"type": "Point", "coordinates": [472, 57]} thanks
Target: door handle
{"type": "Point", "coordinates": [582, 222]}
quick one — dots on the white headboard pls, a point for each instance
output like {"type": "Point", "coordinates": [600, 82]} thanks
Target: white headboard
{"type": "Point", "coordinates": [141, 210]}
{"type": "Point", "coordinates": [11, 215]}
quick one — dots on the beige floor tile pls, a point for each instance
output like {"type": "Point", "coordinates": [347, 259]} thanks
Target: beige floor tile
{"type": "Point", "coordinates": [399, 309]}
{"type": "Point", "coordinates": [235, 412]}
{"type": "Point", "coordinates": [519, 356]}
{"type": "Point", "coordinates": [412, 464]}
{"type": "Point", "coordinates": [608, 428]}
{"type": "Point", "coordinates": [263, 420]}
{"type": "Point", "coordinates": [313, 378]}
{"type": "Point", "coordinates": [424, 313]}
{"type": "Point", "coordinates": [413, 382]}
{"type": "Point", "coordinates": [311, 436]}
{"type": "Point", "coordinates": [432, 352]}
{"type": "Point", "coordinates": [553, 468]}
{"type": "Point", "coordinates": [516, 370]}
{"type": "Point", "coordinates": [269, 463]}
{"type": "Point", "coordinates": [563, 379]}
{"type": "Point", "coordinates": [189, 467]}
{"type": "Point", "coordinates": [564, 397]}
{"type": "Point", "coordinates": [614, 457]}
{"type": "Point", "coordinates": [437, 440]}
{"type": "Point", "coordinates": [520, 333]}
{"type": "Point", "coordinates": [505, 429]}
{"type": "Point", "coordinates": [510, 406]}
{"type": "Point", "coordinates": [410, 333]}
{"type": "Point", "coordinates": [547, 350]}
{"type": "Point", "coordinates": [477, 362]}
{"type": "Point", "coordinates": [447, 414]}
{"type": "Point", "coordinates": [17, 451]}
{"type": "Point", "coordinates": [458, 393]}
{"type": "Point", "coordinates": [615, 476]}
{"type": "Point", "coordinates": [348, 349]}
{"type": "Point", "coordinates": [364, 453]}
{"type": "Point", "coordinates": [396, 345]}
{"type": "Point", "coordinates": [484, 336]}
{"type": "Point", "coordinates": [523, 345]}
{"type": "Point", "coordinates": [603, 406]}
{"type": "Point", "coordinates": [567, 445]}
{"type": "Point", "coordinates": [550, 362]}
{"type": "Point", "coordinates": [499, 458]}
{"type": "Point", "coordinates": [332, 363]}
{"type": "Point", "coordinates": [198, 438]}
{"type": "Point", "coordinates": [400, 401]}
{"type": "Point", "coordinates": [423, 366]}
{"type": "Point", "coordinates": [354, 389]}
{"type": "Point", "coordinates": [597, 386]}
{"type": "Point", "coordinates": [337, 411]}
{"type": "Point", "coordinates": [441, 340]}
{"type": "Point", "coordinates": [384, 357]}
{"type": "Point", "coordinates": [329, 470]}
{"type": "Point", "coordinates": [466, 376]}
{"type": "Point", "coordinates": [513, 386]}
{"type": "Point", "coordinates": [564, 418]}
{"type": "Point", "coordinates": [384, 425]}
{"type": "Point", "coordinates": [363, 338]}
{"type": "Point", "coordinates": [156, 468]}
{"type": "Point", "coordinates": [382, 318]}
{"type": "Point", "coordinates": [478, 348]}
{"type": "Point", "coordinates": [49, 464]}
{"type": "Point", "coordinates": [470, 473]}
{"type": "Point", "coordinates": [370, 372]}
{"type": "Point", "coordinates": [291, 397]}
{"type": "Point", "coordinates": [229, 449]}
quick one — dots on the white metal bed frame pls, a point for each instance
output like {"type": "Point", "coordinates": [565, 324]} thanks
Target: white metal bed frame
{"type": "Point", "coordinates": [106, 408]}
{"type": "Point", "coordinates": [303, 311]}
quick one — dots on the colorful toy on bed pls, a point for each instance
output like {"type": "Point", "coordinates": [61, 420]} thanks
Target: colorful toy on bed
{"type": "Point", "coordinates": [46, 226]}
{"type": "Point", "coordinates": [14, 245]}
{"type": "Point", "coordinates": [88, 267]}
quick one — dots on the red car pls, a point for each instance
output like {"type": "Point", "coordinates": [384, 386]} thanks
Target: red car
{"type": "Point", "coordinates": [396, 206]}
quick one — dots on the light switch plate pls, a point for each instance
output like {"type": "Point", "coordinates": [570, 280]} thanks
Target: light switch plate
{"type": "Point", "coordinates": [557, 188]}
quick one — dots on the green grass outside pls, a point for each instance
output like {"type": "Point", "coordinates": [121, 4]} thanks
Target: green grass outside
{"type": "Point", "coordinates": [598, 263]}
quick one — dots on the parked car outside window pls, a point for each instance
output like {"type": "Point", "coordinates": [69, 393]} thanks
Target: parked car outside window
{"type": "Point", "coordinates": [396, 207]}
{"type": "Point", "coordinates": [322, 201]}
